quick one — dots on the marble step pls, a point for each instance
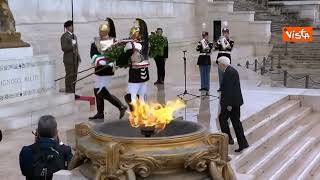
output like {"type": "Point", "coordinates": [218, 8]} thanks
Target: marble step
{"type": "Point", "coordinates": [256, 132]}
{"type": "Point", "coordinates": [27, 113]}
{"type": "Point", "coordinates": [278, 152]}
{"type": "Point", "coordinates": [281, 161]}
{"type": "Point", "coordinates": [302, 158]}
{"type": "Point", "coordinates": [272, 138]}
{"type": "Point", "coordinates": [311, 170]}
{"type": "Point", "coordinates": [258, 161]}
{"type": "Point", "coordinates": [34, 104]}
{"type": "Point", "coordinates": [273, 110]}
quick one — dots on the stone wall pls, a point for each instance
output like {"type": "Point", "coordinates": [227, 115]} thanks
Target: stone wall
{"type": "Point", "coordinates": [243, 28]}
{"type": "Point", "coordinates": [41, 23]}
{"type": "Point", "coordinates": [309, 10]}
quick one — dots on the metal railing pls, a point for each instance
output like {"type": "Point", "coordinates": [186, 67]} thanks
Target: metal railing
{"type": "Point", "coordinates": [267, 67]}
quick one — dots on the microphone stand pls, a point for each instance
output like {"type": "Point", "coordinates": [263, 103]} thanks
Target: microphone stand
{"type": "Point", "coordinates": [182, 95]}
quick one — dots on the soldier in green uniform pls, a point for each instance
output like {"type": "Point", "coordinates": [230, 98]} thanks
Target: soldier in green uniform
{"type": "Point", "coordinates": [71, 57]}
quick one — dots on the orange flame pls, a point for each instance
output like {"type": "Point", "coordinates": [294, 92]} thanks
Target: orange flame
{"type": "Point", "coordinates": [154, 114]}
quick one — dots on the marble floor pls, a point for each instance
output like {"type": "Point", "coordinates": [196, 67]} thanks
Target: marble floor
{"type": "Point", "coordinates": [203, 110]}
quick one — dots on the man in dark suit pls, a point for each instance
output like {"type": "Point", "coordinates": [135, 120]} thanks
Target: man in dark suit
{"type": "Point", "coordinates": [71, 57]}
{"type": "Point", "coordinates": [230, 102]}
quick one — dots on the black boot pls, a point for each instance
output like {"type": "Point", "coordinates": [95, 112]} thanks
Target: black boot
{"type": "Point", "coordinates": [241, 148]}
{"type": "Point", "coordinates": [123, 111]}
{"type": "Point", "coordinates": [127, 98]}
{"type": "Point", "coordinates": [231, 142]}
{"type": "Point", "coordinates": [99, 104]}
{"type": "Point", "coordinates": [98, 116]}
{"type": "Point", "coordinates": [0, 135]}
{"type": "Point", "coordinates": [114, 101]}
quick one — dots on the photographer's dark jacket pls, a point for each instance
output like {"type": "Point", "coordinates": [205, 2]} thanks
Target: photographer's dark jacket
{"type": "Point", "coordinates": [204, 47]}
{"type": "Point", "coordinates": [26, 155]}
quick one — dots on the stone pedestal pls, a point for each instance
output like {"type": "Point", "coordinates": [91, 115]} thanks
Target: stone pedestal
{"type": "Point", "coordinates": [11, 40]}
{"type": "Point", "coordinates": [24, 76]}
{"type": "Point", "coordinates": [27, 89]}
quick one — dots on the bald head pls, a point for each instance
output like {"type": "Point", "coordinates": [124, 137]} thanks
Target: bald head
{"type": "Point", "coordinates": [47, 126]}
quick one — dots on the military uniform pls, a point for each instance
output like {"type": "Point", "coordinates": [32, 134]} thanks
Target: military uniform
{"type": "Point", "coordinates": [104, 69]}
{"type": "Point", "coordinates": [225, 46]}
{"type": "Point", "coordinates": [204, 63]}
{"type": "Point", "coordinates": [137, 54]}
{"type": "Point", "coordinates": [71, 59]}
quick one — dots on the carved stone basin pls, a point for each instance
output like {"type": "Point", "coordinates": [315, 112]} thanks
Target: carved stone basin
{"type": "Point", "coordinates": [115, 150]}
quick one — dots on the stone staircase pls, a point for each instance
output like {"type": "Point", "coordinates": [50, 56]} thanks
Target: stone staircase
{"type": "Point", "coordinates": [26, 113]}
{"type": "Point", "coordinates": [284, 143]}
{"type": "Point", "coordinates": [300, 56]}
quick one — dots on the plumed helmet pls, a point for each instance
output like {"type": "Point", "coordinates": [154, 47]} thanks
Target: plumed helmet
{"type": "Point", "coordinates": [108, 27]}
{"type": "Point", "coordinates": [139, 30]}
{"type": "Point", "coordinates": [112, 28]}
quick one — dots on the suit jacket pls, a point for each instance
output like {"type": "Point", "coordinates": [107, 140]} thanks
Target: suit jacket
{"type": "Point", "coordinates": [70, 53]}
{"type": "Point", "coordinates": [230, 89]}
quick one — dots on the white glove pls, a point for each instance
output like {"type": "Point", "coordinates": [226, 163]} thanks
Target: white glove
{"type": "Point", "coordinates": [74, 42]}
{"type": "Point", "coordinates": [229, 108]}
{"type": "Point", "coordinates": [128, 46]}
{"type": "Point", "coordinates": [102, 63]}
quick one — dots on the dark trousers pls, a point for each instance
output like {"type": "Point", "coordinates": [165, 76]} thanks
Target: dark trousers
{"type": "Point", "coordinates": [71, 76]}
{"type": "Point", "coordinates": [161, 63]}
{"type": "Point", "coordinates": [105, 94]}
{"type": "Point", "coordinates": [234, 115]}
{"type": "Point", "coordinates": [205, 76]}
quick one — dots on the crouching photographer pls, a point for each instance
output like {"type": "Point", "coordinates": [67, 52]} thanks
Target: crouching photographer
{"type": "Point", "coordinates": [47, 155]}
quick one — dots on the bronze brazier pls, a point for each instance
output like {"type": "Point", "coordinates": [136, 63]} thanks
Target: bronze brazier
{"type": "Point", "coordinates": [114, 150]}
